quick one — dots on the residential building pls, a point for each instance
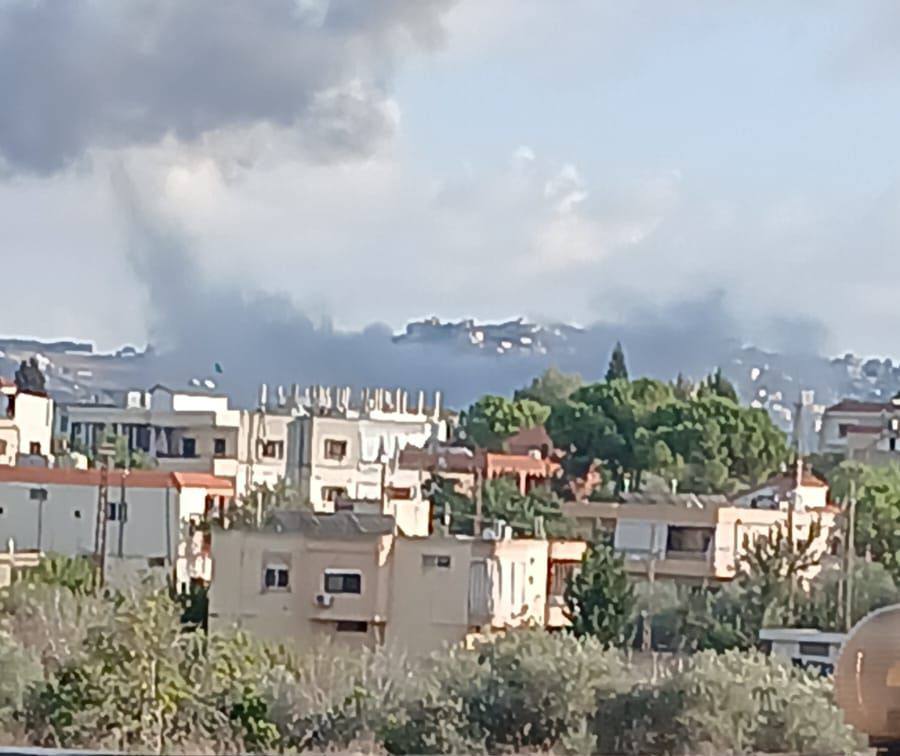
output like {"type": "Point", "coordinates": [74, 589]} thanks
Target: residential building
{"type": "Point", "coordinates": [808, 491]}
{"type": "Point", "coordinates": [804, 647]}
{"type": "Point", "coordinates": [186, 430]}
{"type": "Point", "coordinates": [153, 518]}
{"type": "Point", "coordinates": [341, 448]}
{"type": "Point", "coordinates": [866, 431]}
{"type": "Point", "coordinates": [352, 578]}
{"type": "Point", "coordinates": [26, 426]}
{"type": "Point", "coordinates": [691, 537]}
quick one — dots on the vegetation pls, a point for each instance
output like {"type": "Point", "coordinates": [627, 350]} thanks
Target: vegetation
{"type": "Point", "coordinates": [535, 513]}
{"type": "Point", "coordinates": [600, 598]}
{"type": "Point", "coordinates": [256, 507]}
{"type": "Point", "coordinates": [119, 672]}
{"type": "Point", "coordinates": [706, 442]}
{"type": "Point", "coordinates": [493, 419]}
{"type": "Point", "coordinates": [617, 371]}
{"type": "Point", "coordinates": [551, 388]}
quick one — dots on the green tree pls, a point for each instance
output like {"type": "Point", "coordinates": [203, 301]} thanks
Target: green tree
{"type": "Point", "coordinates": [551, 388]}
{"type": "Point", "coordinates": [877, 491]}
{"type": "Point", "coordinates": [617, 371]}
{"type": "Point", "coordinates": [75, 573]}
{"type": "Point", "coordinates": [256, 507]}
{"type": "Point", "coordinates": [600, 598]}
{"type": "Point", "coordinates": [716, 384]}
{"type": "Point", "coordinates": [493, 419]}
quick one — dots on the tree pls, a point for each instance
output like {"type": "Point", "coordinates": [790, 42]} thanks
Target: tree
{"type": "Point", "coordinates": [30, 378]}
{"type": "Point", "coordinates": [683, 388]}
{"type": "Point", "coordinates": [539, 512]}
{"type": "Point", "coordinates": [617, 369]}
{"type": "Point", "coordinates": [493, 419]}
{"type": "Point", "coordinates": [599, 598]}
{"type": "Point", "coordinates": [256, 507]}
{"type": "Point", "coordinates": [877, 491]}
{"type": "Point", "coordinates": [551, 388]}
{"type": "Point", "coordinates": [716, 384]}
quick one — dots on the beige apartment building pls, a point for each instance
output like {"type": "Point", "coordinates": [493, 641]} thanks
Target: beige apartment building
{"type": "Point", "coordinates": [351, 578]}
{"type": "Point", "coordinates": [691, 537]}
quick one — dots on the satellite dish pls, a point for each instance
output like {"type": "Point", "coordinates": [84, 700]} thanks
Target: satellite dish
{"type": "Point", "coordinates": [210, 384]}
{"type": "Point", "coordinates": [195, 381]}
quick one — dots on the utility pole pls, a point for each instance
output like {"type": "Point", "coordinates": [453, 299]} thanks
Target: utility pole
{"type": "Point", "coordinates": [102, 518]}
{"type": "Point", "coordinates": [849, 557]}
{"type": "Point", "coordinates": [479, 501]}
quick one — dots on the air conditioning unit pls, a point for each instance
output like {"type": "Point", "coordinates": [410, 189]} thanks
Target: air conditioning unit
{"type": "Point", "coordinates": [324, 600]}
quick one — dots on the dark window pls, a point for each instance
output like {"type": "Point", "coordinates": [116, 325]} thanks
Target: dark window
{"type": "Point", "coordinates": [156, 562]}
{"type": "Point", "coordinates": [2, 446]}
{"type": "Point", "coordinates": [277, 577]}
{"type": "Point", "coordinates": [436, 560]}
{"type": "Point", "coordinates": [842, 429]}
{"type": "Point", "coordinates": [34, 447]}
{"type": "Point", "coordinates": [273, 449]}
{"type": "Point", "coordinates": [77, 514]}
{"type": "Point", "coordinates": [343, 582]}
{"type": "Point", "coordinates": [400, 494]}
{"type": "Point", "coordinates": [219, 447]}
{"type": "Point", "coordinates": [64, 424]}
{"type": "Point", "coordinates": [811, 648]}
{"type": "Point", "coordinates": [1, 510]}
{"type": "Point", "coordinates": [188, 447]}
{"type": "Point", "coordinates": [116, 511]}
{"type": "Point", "coordinates": [332, 493]}
{"type": "Point", "coordinates": [688, 540]}
{"type": "Point", "coordinates": [38, 494]}
{"type": "Point", "coordinates": [351, 626]}
{"type": "Point", "coordinates": [892, 444]}
{"type": "Point", "coordinates": [335, 449]}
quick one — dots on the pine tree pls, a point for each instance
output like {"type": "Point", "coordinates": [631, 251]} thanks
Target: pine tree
{"type": "Point", "coordinates": [617, 369]}
{"type": "Point", "coordinates": [600, 598]}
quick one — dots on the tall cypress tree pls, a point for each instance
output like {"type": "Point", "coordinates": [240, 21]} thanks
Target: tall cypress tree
{"type": "Point", "coordinates": [617, 367]}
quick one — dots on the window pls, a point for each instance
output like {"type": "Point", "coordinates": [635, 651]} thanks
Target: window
{"type": "Point", "coordinates": [34, 447]}
{"type": "Point", "coordinates": [335, 449]}
{"type": "Point", "coordinates": [64, 424]}
{"type": "Point", "coordinates": [77, 514]}
{"type": "Point", "coordinates": [219, 447]}
{"type": "Point", "coordinates": [333, 493]}
{"type": "Point", "coordinates": [351, 626]}
{"type": "Point", "coordinates": [892, 443]}
{"type": "Point", "coordinates": [343, 582]}
{"type": "Point", "coordinates": [436, 560]}
{"type": "Point", "coordinates": [273, 449]}
{"type": "Point", "coordinates": [688, 541]}
{"type": "Point", "coordinates": [189, 447]}
{"type": "Point", "coordinates": [116, 511]}
{"type": "Point", "coordinates": [811, 648]}
{"type": "Point", "coordinates": [2, 446]}
{"type": "Point", "coordinates": [400, 494]}
{"type": "Point", "coordinates": [277, 577]}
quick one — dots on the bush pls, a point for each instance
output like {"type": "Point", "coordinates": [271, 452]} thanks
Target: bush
{"type": "Point", "coordinates": [735, 702]}
{"type": "Point", "coordinates": [525, 689]}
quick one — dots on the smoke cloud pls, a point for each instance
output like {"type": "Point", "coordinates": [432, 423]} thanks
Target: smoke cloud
{"type": "Point", "coordinates": [97, 73]}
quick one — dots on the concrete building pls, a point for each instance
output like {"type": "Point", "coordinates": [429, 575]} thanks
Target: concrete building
{"type": "Point", "coordinates": [865, 431]}
{"type": "Point", "coordinates": [352, 578]}
{"type": "Point", "coordinates": [186, 430]}
{"type": "Point", "coordinates": [809, 491]}
{"type": "Point", "coordinates": [26, 426]}
{"type": "Point", "coordinates": [690, 537]}
{"type": "Point", "coordinates": [341, 448]}
{"type": "Point", "coordinates": [804, 647]}
{"type": "Point", "coordinates": [153, 518]}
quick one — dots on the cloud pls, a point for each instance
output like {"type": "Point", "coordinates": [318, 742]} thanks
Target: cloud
{"type": "Point", "coordinates": [112, 73]}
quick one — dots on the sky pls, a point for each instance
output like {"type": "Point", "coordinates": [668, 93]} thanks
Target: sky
{"type": "Point", "coordinates": [165, 165]}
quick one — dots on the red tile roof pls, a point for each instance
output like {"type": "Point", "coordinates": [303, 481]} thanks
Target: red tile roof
{"type": "Point", "coordinates": [57, 476]}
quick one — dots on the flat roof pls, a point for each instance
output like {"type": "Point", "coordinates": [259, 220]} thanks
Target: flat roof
{"type": "Point", "coordinates": [58, 476]}
{"type": "Point", "coordinates": [804, 634]}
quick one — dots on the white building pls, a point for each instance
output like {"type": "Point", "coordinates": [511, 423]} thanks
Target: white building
{"type": "Point", "coordinates": [152, 516]}
{"type": "Point", "coordinates": [866, 431]}
{"type": "Point", "coordinates": [807, 492]}
{"type": "Point", "coordinates": [26, 426]}
{"type": "Point", "coordinates": [804, 647]}
{"type": "Point", "coordinates": [337, 449]}
{"type": "Point", "coordinates": [183, 430]}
